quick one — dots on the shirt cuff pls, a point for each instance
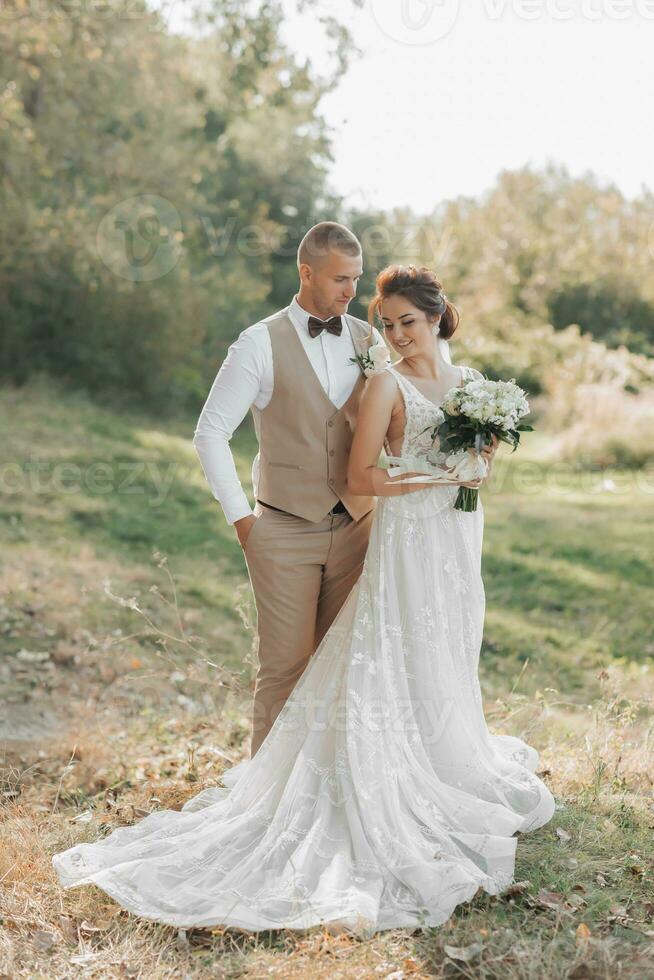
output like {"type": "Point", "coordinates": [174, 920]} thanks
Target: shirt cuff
{"type": "Point", "coordinates": [237, 510]}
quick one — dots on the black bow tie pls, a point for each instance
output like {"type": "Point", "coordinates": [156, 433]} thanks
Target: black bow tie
{"type": "Point", "coordinates": [334, 325]}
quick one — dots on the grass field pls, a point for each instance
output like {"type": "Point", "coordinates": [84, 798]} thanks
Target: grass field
{"type": "Point", "coordinates": [127, 653]}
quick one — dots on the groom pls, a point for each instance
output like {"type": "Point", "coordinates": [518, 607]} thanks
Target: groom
{"type": "Point", "coordinates": [306, 540]}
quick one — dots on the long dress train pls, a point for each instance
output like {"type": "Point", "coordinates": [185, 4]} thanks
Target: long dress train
{"type": "Point", "coordinates": [379, 798]}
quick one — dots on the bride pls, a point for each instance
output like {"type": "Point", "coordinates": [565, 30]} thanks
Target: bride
{"type": "Point", "coordinates": [379, 798]}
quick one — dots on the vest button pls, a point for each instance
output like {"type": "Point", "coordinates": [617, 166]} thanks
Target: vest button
{"type": "Point", "coordinates": [331, 452]}
{"type": "Point", "coordinates": [331, 422]}
{"type": "Point", "coordinates": [330, 482]}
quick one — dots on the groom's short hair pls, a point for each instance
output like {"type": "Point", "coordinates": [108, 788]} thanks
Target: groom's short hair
{"type": "Point", "coordinates": [325, 237]}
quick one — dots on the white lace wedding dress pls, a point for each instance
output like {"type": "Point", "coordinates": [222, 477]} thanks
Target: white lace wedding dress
{"type": "Point", "coordinates": [379, 798]}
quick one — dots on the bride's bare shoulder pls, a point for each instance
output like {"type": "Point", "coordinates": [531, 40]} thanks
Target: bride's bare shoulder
{"type": "Point", "coordinates": [381, 388]}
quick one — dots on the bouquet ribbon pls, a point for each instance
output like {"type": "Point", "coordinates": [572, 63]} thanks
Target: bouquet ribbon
{"type": "Point", "coordinates": [462, 466]}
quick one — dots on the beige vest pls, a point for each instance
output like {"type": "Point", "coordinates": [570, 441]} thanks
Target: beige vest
{"type": "Point", "coordinates": [304, 440]}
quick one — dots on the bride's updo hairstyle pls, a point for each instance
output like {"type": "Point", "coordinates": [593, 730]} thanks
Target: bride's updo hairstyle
{"type": "Point", "coordinates": [422, 289]}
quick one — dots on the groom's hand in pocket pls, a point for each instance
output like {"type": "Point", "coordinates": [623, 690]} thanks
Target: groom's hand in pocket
{"type": "Point", "coordinates": [243, 528]}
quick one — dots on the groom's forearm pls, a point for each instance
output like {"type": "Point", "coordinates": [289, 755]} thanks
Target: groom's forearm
{"type": "Point", "coordinates": [232, 394]}
{"type": "Point", "coordinates": [219, 468]}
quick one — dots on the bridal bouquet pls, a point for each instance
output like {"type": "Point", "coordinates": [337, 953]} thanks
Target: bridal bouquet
{"type": "Point", "coordinates": [474, 413]}
{"type": "Point", "coordinates": [467, 420]}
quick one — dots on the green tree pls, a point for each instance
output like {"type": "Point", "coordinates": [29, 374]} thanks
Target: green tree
{"type": "Point", "coordinates": [104, 113]}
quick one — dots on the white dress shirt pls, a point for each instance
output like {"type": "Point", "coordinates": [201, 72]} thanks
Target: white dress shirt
{"type": "Point", "coordinates": [245, 381]}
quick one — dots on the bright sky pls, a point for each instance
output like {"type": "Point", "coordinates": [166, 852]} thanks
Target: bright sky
{"type": "Point", "coordinates": [447, 93]}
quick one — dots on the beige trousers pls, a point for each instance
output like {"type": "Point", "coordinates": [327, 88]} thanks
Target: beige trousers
{"type": "Point", "coordinates": [301, 575]}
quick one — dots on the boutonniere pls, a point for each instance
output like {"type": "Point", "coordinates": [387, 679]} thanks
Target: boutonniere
{"type": "Point", "coordinates": [374, 360]}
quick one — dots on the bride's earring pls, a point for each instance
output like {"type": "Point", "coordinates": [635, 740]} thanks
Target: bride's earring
{"type": "Point", "coordinates": [436, 327]}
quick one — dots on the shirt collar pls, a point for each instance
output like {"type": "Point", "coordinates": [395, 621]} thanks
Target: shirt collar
{"type": "Point", "coordinates": [300, 317]}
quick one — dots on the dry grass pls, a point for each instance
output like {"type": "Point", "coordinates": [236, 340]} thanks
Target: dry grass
{"type": "Point", "coordinates": [585, 911]}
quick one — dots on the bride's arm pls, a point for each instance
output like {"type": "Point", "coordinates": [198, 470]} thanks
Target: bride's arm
{"type": "Point", "coordinates": [364, 476]}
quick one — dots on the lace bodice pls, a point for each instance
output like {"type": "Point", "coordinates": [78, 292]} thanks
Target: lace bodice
{"type": "Point", "coordinates": [421, 414]}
